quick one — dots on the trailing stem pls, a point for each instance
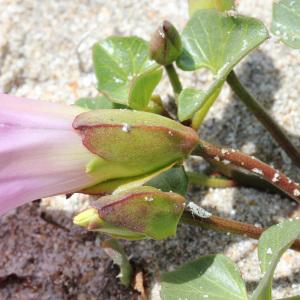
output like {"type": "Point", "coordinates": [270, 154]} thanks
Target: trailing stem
{"type": "Point", "coordinates": [262, 115]}
{"type": "Point", "coordinates": [224, 156]}
{"type": "Point", "coordinates": [227, 225]}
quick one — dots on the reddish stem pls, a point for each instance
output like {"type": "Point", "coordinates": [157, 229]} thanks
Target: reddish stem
{"type": "Point", "coordinates": [230, 156]}
{"type": "Point", "coordinates": [227, 225]}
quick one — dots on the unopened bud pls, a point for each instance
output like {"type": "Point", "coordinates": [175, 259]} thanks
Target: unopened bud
{"type": "Point", "coordinates": [139, 213]}
{"type": "Point", "coordinates": [165, 44]}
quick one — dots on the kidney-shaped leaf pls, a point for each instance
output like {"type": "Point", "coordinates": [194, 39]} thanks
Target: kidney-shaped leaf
{"type": "Point", "coordinates": [122, 65]}
{"type": "Point", "coordinates": [210, 277]}
{"type": "Point", "coordinates": [272, 244]}
{"type": "Point", "coordinates": [217, 41]}
{"type": "Point", "coordinates": [286, 21]}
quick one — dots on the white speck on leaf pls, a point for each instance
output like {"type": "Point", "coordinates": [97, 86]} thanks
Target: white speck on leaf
{"type": "Point", "coordinates": [126, 127]}
{"type": "Point", "coordinates": [149, 199]}
{"type": "Point", "coordinates": [117, 80]}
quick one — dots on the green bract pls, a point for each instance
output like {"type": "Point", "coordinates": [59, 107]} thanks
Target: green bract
{"type": "Point", "coordinates": [139, 213]}
{"type": "Point", "coordinates": [124, 71]}
{"type": "Point", "coordinates": [286, 22]}
{"type": "Point", "coordinates": [165, 44]}
{"type": "Point", "coordinates": [218, 42]}
{"type": "Point", "coordinates": [131, 144]}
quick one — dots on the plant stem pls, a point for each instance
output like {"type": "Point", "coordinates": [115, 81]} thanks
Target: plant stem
{"type": "Point", "coordinates": [202, 179]}
{"type": "Point", "coordinates": [174, 79]}
{"type": "Point", "coordinates": [230, 156]}
{"type": "Point", "coordinates": [262, 115]}
{"type": "Point", "coordinates": [227, 225]}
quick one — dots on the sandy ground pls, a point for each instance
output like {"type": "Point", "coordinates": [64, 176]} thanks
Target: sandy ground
{"type": "Point", "coordinates": [45, 54]}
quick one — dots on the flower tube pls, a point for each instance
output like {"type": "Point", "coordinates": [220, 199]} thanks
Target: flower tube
{"type": "Point", "coordinates": [40, 152]}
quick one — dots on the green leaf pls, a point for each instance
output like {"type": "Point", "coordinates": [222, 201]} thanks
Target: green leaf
{"type": "Point", "coordinates": [174, 180]}
{"type": "Point", "coordinates": [99, 102]}
{"type": "Point", "coordinates": [221, 5]}
{"type": "Point", "coordinates": [122, 65]}
{"type": "Point", "coordinates": [187, 101]}
{"type": "Point", "coordinates": [216, 41]}
{"type": "Point", "coordinates": [190, 98]}
{"type": "Point", "coordinates": [213, 277]}
{"type": "Point", "coordinates": [142, 88]}
{"type": "Point", "coordinates": [286, 22]}
{"type": "Point", "coordinates": [272, 244]}
{"type": "Point", "coordinates": [116, 252]}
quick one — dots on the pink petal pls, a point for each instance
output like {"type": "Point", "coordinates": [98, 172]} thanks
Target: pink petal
{"type": "Point", "coordinates": [40, 153]}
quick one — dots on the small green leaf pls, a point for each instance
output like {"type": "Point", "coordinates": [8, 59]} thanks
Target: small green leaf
{"type": "Point", "coordinates": [221, 5]}
{"type": "Point", "coordinates": [120, 63]}
{"type": "Point", "coordinates": [191, 100]}
{"type": "Point", "coordinates": [213, 277]}
{"type": "Point", "coordinates": [286, 22]}
{"type": "Point", "coordinates": [217, 41]}
{"type": "Point", "coordinates": [174, 180]}
{"type": "Point", "coordinates": [272, 244]}
{"type": "Point", "coordinates": [116, 252]}
{"type": "Point", "coordinates": [142, 88]}
{"type": "Point", "coordinates": [207, 101]}
{"type": "Point", "coordinates": [187, 101]}
{"type": "Point", "coordinates": [99, 102]}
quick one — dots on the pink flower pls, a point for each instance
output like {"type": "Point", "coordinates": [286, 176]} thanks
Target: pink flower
{"type": "Point", "coordinates": [49, 149]}
{"type": "Point", "coordinates": [40, 152]}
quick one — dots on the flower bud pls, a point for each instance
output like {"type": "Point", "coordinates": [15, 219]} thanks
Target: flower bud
{"type": "Point", "coordinates": [139, 213]}
{"type": "Point", "coordinates": [165, 44]}
{"type": "Point", "coordinates": [129, 144]}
